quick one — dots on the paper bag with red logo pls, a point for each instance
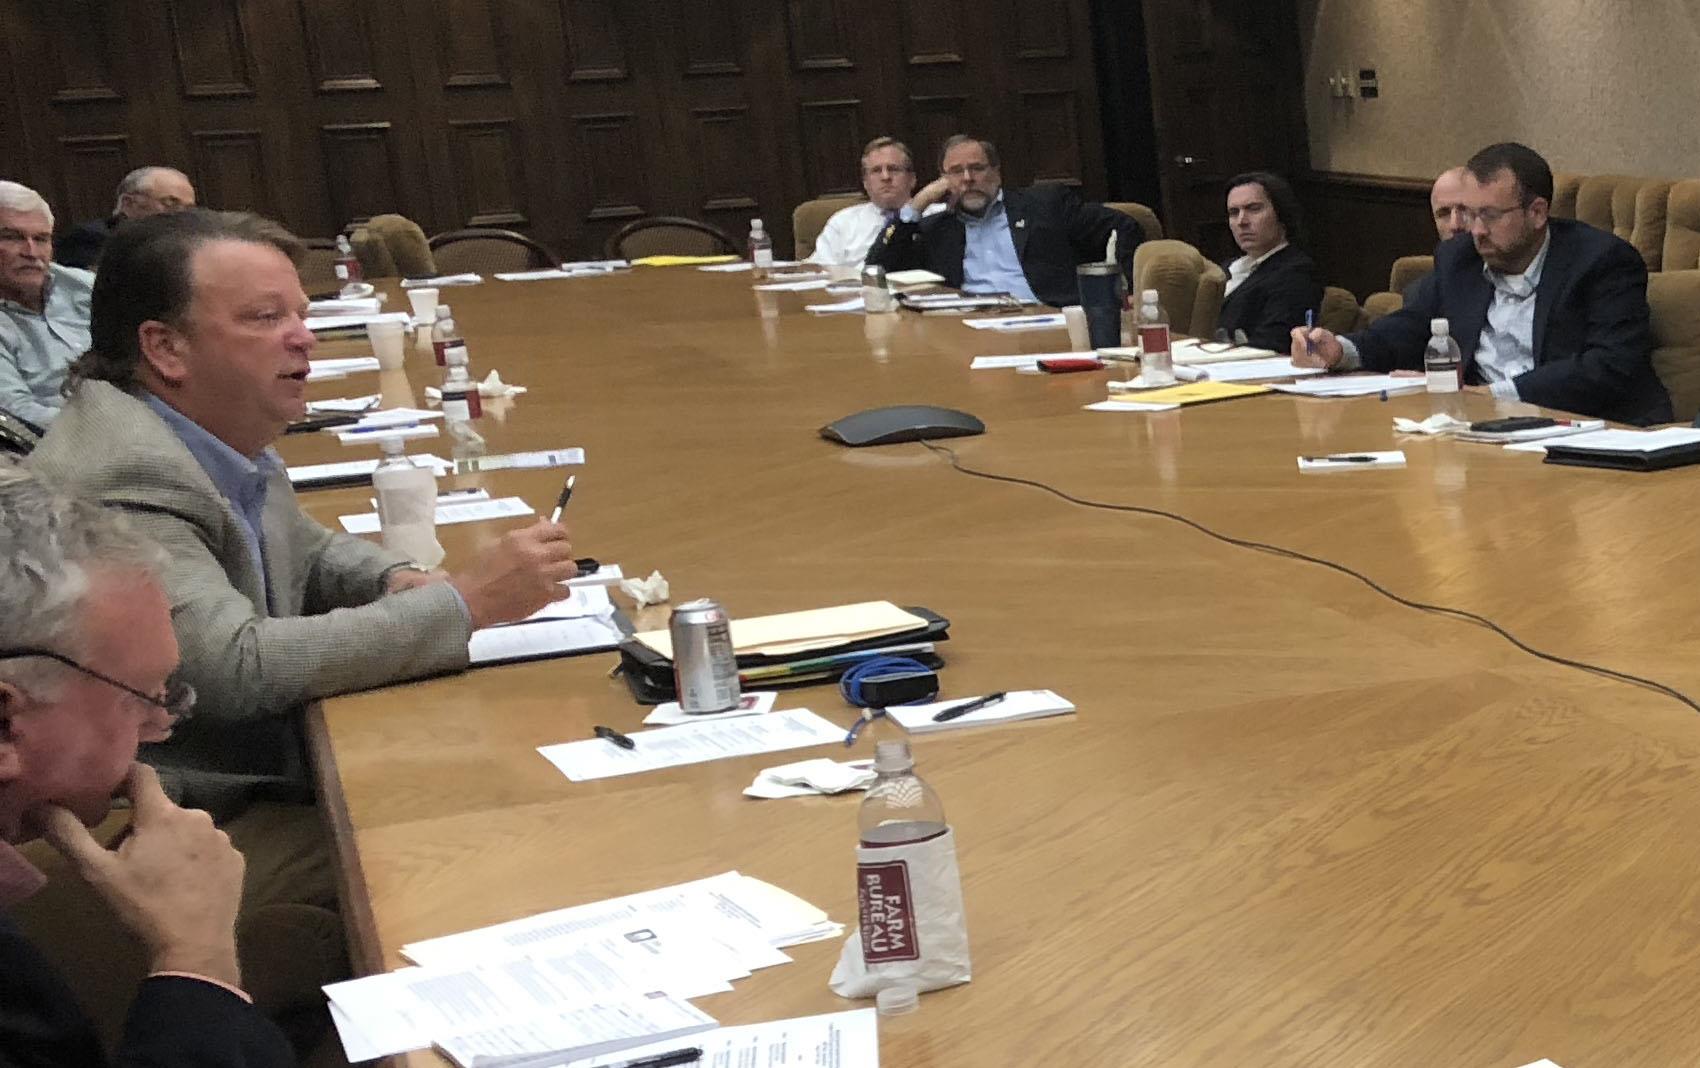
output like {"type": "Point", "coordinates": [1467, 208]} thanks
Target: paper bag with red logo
{"type": "Point", "coordinates": [913, 931]}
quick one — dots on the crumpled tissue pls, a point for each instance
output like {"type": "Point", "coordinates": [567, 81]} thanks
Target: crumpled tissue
{"type": "Point", "coordinates": [646, 591]}
{"type": "Point", "coordinates": [492, 386]}
{"type": "Point", "coordinates": [1438, 423]}
{"type": "Point", "coordinates": [807, 778]}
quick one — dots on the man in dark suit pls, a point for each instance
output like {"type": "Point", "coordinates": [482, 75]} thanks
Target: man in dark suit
{"type": "Point", "coordinates": [144, 191]}
{"type": "Point", "coordinates": [1274, 282]}
{"type": "Point", "coordinates": [1025, 242]}
{"type": "Point", "coordinates": [87, 674]}
{"type": "Point", "coordinates": [1549, 311]}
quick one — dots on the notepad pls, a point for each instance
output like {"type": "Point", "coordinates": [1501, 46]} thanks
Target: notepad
{"type": "Point", "coordinates": [796, 632]}
{"type": "Point", "coordinates": [1016, 705]}
{"type": "Point", "coordinates": [1193, 350]}
{"type": "Point", "coordinates": [1200, 393]}
{"type": "Point", "coordinates": [1353, 386]}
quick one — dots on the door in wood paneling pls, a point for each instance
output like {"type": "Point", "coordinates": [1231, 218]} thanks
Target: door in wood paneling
{"type": "Point", "coordinates": [1225, 99]}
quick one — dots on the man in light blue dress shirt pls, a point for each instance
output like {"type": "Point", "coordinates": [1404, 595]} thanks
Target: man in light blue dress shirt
{"type": "Point", "coordinates": [44, 309]}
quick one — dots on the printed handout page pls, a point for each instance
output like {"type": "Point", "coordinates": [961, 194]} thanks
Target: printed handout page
{"type": "Point", "coordinates": [1352, 386]}
{"type": "Point", "coordinates": [729, 906]}
{"type": "Point", "coordinates": [540, 640]}
{"type": "Point", "coordinates": [346, 471]}
{"type": "Point", "coordinates": [847, 1039]}
{"type": "Point", "coordinates": [691, 743]}
{"type": "Point", "coordinates": [463, 512]}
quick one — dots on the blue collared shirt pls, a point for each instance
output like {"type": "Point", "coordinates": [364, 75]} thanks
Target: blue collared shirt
{"type": "Point", "coordinates": [37, 348]}
{"type": "Point", "coordinates": [989, 261]}
{"type": "Point", "coordinates": [238, 479]}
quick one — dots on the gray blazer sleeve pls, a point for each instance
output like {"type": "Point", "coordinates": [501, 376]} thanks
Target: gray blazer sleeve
{"type": "Point", "coordinates": [245, 664]}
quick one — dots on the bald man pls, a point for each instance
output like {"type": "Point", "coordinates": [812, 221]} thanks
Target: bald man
{"type": "Point", "coordinates": [1446, 201]}
{"type": "Point", "coordinates": [144, 191]}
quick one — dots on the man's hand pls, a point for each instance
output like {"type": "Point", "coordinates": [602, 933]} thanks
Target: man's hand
{"type": "Point", "coordinates": [174, 880]}
{"type": "Point", "coordinates": [1316, 347]}
{"type": "Point", "coordinates": [411, 578]}
{"type": "Point", "coordinates": [518, 575]}
{"type": "Point", "coordinates": [930, 194]}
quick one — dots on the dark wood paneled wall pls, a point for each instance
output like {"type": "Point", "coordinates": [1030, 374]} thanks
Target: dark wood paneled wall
{"type": "Point", "coordinates": [1360, 223]}
{"type": "Point", "coordinates": [561, 118]}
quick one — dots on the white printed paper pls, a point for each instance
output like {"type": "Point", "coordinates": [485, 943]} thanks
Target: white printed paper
{"type": "Point", "coordinates": [335, 368]}
{"type": "Point", "coordinates": [1129, 406]}
{"type": "Point", "coordinates": [692, 743]}
{"type": "Point", "coordinates": [309, 474]}
{"type": "Point", "coordinates": [1352, 386]}
{"type": "Point", "coordinates": [854, 304]}
{"type": "Point", "coordinates": [544, 638]}
{"type": "Point", "coordinates": [343, 405]}
{"type": "Point", "coordinates": [467, 279]}
{"type": "Point", "coordinates": [344, 322]}
{"type": "Point", "coordinates": [833, 1040]}
{"type": "Point", "coordinates": [374, 434]}
{"type": "Point", "coordinates": [386, 418]}
{"type": "Point", "coordinates": [751, 703]}
{"type": "Point", "coordinates": [1256, 370]}
{"type": "Point", "coordinates": [797, 286]}
{"type": "Point", "coordinates": [520, 461]}
{"type": "Point", "coordinates": [1016, 323]}
{"type": "Point", "coordinates": [581, 601]}
{"type": "Point", "coordinates": [447, 514]}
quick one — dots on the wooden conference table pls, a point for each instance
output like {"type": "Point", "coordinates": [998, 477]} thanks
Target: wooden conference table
{"type": "Point", "coordinates": [1292, 823]}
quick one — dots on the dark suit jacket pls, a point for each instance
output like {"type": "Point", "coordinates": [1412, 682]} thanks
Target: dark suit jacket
{"type": "Point", "coordinates": [173, 1023]}
{"type": "Point", "coordinates": [81, 245]}
{"type": "Point", "coordinates": [1052, 228]}
{"type": "Point", "coordinates": [1273, 300]}
{"type": "Point", "coordinates": [1592, 337]}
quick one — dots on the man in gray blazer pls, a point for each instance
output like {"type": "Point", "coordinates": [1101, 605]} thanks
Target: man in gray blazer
{"type": "Point", "coordinates": [197, 362]}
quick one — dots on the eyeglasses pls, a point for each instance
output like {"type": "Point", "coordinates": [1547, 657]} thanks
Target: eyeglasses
{"type": "Point", "coordinates": [1489, 216]}
{"type": "Point", "coordinates": [178, 702]}
{"type": "Point", "coordinates": [962, 170]}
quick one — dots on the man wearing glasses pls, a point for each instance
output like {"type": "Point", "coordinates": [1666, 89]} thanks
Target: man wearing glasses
{"type": "Point", "coordinates": [1024, 242]}
{"type": "Point", "coordinates": [86, 675]}
{"type": "Point", "coordinates": [1549, 311]}
{"type": "Point", "coordinates": [888, 177]}
{"type": "Point", "coordinates": [144, 191]}
{"type": "Point", "coordinates": [44, 309]}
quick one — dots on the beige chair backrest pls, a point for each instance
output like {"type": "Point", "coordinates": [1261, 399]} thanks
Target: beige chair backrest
{"type": "Point", "coordinates": [1673, 297]}
{"type": "Point", "coordinates": [810, 218]}
{"type": "Point", "coordinates": [1564, 190]}
{"type": "Point", "coordinates": [1408, 269]}
{"type": "Point", "coordinates": [373, 252]}
{"type": "Point", "coordinates": [406, 243]}
{"type": "Point", "coordinates": [1682, 227]}
{"type": "Point", "coordinates": [1144, 216]}
{"type": "Point", "coordinates": [1378, 304]}
{"type": "Point", "coordinates": [1340, 313]}
{"type": "Point", "coordinates": [1188, 285]}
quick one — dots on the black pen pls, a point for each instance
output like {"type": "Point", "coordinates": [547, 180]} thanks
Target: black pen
{"type": "Point", "coordinates": [945, 715]}
{"type": "Point", "coordinates": [664, 1060]}
{"type": "Point", "coordinates": [561, 502]}
{"type": "Point", "coordinates": [612, 735]}
{"type": "Point", "coordinates": [1339, 459]}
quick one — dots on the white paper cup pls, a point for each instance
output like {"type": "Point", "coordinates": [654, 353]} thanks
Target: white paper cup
{"type": "Point", "coordinates": [424, 303]}
{"type": "Point", "coordinates": [389, 344]}
{"type": "Point", "coordinates": [1079, 337]}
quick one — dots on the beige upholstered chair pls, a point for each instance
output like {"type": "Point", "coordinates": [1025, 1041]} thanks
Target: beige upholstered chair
{"type": "Point", "coordinates": [1144, 216]}
{"type": "Point", "coordinates": [1682, 227]}
{"type": "Point", "coordinates": [1340, 313]}
{"type": "Point", "coordinates": [810, 218]}
{"type": "Point", "coordinates": [1408, 269]}
{"type": "Point", "coordinates": [1631, 206]}
{"type": "Point", "coordinates": [406, 243]}
{"type": "Point", "coordinates": [373, 253]}
{"type": "Point", "coordinates": [1188, 285]}
{"type": "Point", "coordinates": [1674, 300]}
{"type": "Point", "coordinates": [1564, 189]}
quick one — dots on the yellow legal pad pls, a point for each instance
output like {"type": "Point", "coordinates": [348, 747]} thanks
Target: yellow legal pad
{"type": "Point", "coordinates": [681, 261]}
{"type": "Point", "coordinates": [797, 632]}
{"type": "Point", "coordinates": [1201, 392]}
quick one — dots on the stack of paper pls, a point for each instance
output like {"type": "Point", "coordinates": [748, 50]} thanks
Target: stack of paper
{"type": "Point", "coordinates": [355, 472]}
{"type": "Point", "coordinates": [338, 368]}
{"type": "Point", "coordinates": [692, 743]}
{"type": "Point", "coordinates": [344, 306]}
{"type": "Point", "coordinates": [345, 322]}
{"type": "Point", "coordinates": [1353, 386]}
{"type": "Point", "coordinates": [387, 417]}
{"type": "Point", "coordinates": [833, 1040]}
{"type": "Point", "coordinates": [1619, 441]}
{"type": "Point", "coordinates": [953, 301]}
{"type": "Point", "coordinates": [344, 405]}
{"type": "Point", "coordinates": [795, 632]}
{"type": "Point", "coordinates": [467, 279]}
{"type": "Point", "coordinates": [843, 307]}
{"type": "Point", "coordinates": [795, 285]}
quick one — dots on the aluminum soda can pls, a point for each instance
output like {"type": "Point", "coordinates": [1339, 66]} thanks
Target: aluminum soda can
{"type": "Point", "coordinates": [705, 669]}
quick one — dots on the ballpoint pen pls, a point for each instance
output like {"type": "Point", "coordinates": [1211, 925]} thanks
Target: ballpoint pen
{"type": "Point", "coordinates": [1310, 324]}
{"type": "Point", "coordinates": [665, 1060]}
{"type": "Point", "coordinates": [561, 502]}
{"type": "Point", "coordinates": [609, 734]}
{"type": "Point", "coordinates": [945, 715]}
{"type": "Point", "coordinates": [1339, 459]}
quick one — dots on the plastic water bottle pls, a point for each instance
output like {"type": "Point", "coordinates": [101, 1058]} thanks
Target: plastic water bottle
{"type": "Point", "coordinates": [347, 266]}
{"type": "Point", "coordinates": [1442, 361]}
{"type": "Point", "coordinates": [899, 808]}
{"type": "Point", "coordinates": [876, 290]}
{"type": "Point", "coordinates": [1156, 362]}
{"type": "Point", "coordinates": [761, 249]}
{"type": "Point", "coordinates": [407, 505]}
{"type": "Point", "coordinates": [445, 336]}
{"type": "Point", "coordinates": [461, 404]}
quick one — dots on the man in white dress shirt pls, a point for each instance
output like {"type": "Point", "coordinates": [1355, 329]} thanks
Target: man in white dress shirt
{"type": "Point", "coordinates": [888, 177]}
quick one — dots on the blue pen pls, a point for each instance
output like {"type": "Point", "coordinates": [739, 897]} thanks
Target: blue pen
{"type": "Point", "coordinates": [381, 428]}
{"type": "Point", "coordinates": [1310, 324]}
